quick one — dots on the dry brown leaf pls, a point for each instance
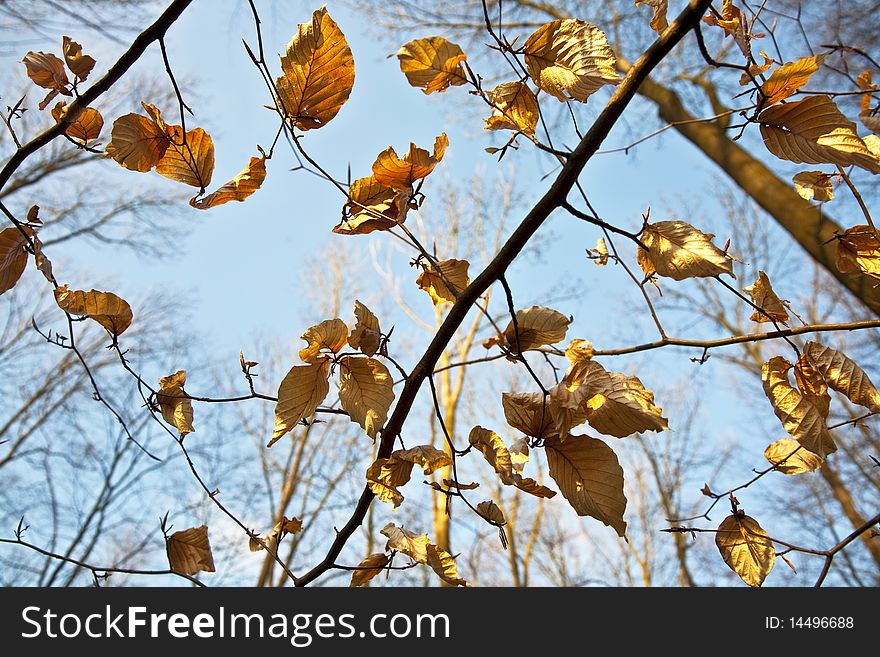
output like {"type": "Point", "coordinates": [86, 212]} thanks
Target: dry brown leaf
{"type": "Point", "coordinates": [13, 256]}
{"type": "Point", "coordinates": [281, 529]}
{"type": "Point", "coordinates": [570, 59]}
{"type": "Point", "coordinates": [442, 563]}
{"type": "Point", "coordinates": [490, 511]}
{"type": "Point", "coordinates": [858, 249]}
{"type": "Point", "coordinates": [385, 475]}
{"type": "Point", "coordinates": [765, 298]}
{"type": "Point", "coordinates": [658, 20]}
{"type": "Point", "coordinates": [86, 127]}
{"type": "Point", "coordinates": [324, 339]}
{"type": "Point", "coordinates": [318, 73]}
{"type": "Point", "coordinates": [536, 326]}
{"type": "Point", "coordinates": [843, 375]}
{"type": "Point", "coordinates": [756, 69]}
{"type": "Point", "coordinates": [678, 250]}
{"type": "Point", "coordinates": [365, 392]}
{"type": "Point", "coordinates": [413, 545]}
{"type": "Point", "coordinates": [624, 407]}
{"type": "Point", "coordinates": [490, 445]}
{"type": "Point", "coordinates": [790, 77]}
{"type": "Point", "coordinates": [239, 188]}
{"type": "Point", "coordinates": [47, 71]}
{"type": "Point", "coordinates": [369, 568]}
{"type": "Point", "coordinates": [79, 63]}
{"type": "Point", "coordinates": [189, 551]}
{"type": "Point", "coordinates": [790, 458]}
{"type": "Point", "coordinates": [814, 131]}
{"type": "Point", "coordinates": [519, 455]}
{"type": "Point", "coordinates": [425, 456]}
{"type": "Point", "coordinates": [432, 64]}
{"type": "Point", "coordinates": [532, 487]}
{"type": "Point", "coordinates": [814, 186]}
{"type": "Point", "coordinates": [372, 206]}
{"type": "Point", "coordinates": [449, 483]}
{"type": "Point", "coordinates": [109, 310]}
{"type": "Point", "coordinates": [803, 421]}
{"type": "Point", "coordinates": [366, 335]}
{"type": "Point", "coordinates": [811, 384]}
{"type": "Point", "coordinates": [299, 394]}
{"type": "Point", "coordinates": [600, 253]}
{"type": "Point", "coordinates": [514, 107]}
{"type": "Point", "coordinates": [445, 280]}
{"type": "Point", "coordinates": [746, 548]}
{"type": "Point", "coordinates": [43, 263]}
{"type": "Point", "coordinates": [175, 404]}
{"type": "Point", "coordinates": [529, 412]}
{"type": "Point", "coordinates": [189, 161]}
{"type": "Point", "coordinates": [590, 478]}
{"type": "Point", "coordinates": [138, 143]}
{"type": "Point", "coordinates": [417, 164]}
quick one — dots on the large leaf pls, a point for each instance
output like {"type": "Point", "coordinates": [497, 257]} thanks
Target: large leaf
{"type": "Point", "coordinates": [318, 73]}
{"type": "Point", "coordinates": [432, 64]}
{"type": "Point", "coordinates": [801, 419]}
{"type": "Point", "coordinates": [174, 403]}
{"type": "Point", "coordinates": [814, 131]}
{"type": "Point", "coordinates": [137, 143]}
{"type": "Point", "coordinates": [590, 478]}
{"type": "Point", "coordinates": [13, 256]}
{"type": "Point", "coordinates": [570, 59]}
{"type": "Point", "coordinates": [678, 250]}
{"type": "Point", "coordinates": [365, 392]}
{"type": "Point", "coordinates": [109, 310]}
{"type": "Point", "coordinates": [299, 394]}
{"type": "Point", "coordinates": [790, 77]}
{"type": "Point", "coordinates": [401, 172]}
{"type": "Point", "coordinates": [413, 545]}
{"type": "Point", "coordinates": [529, 412]}
{"type": "Point", "coordinates": [238, 189]}
{"type": "Point", "coordinates": [843, 375]}
{"type": "Point", "coordinates": [189, 551]}
{"type": "Point", "coordinates": [385, 475]}
{"type": "Point", "coordinates": [624, 407]}
{"type": "Point", "coordinates": [746, 548]}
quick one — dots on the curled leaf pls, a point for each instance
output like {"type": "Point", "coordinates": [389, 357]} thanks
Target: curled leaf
{"type": "Point", "coordinates": [109, 310]}
{"type": "Point", "coordinates": [790, 77]}
{"type": "Point", "coordinates": [442, 563]}
{"type": "Point", "coordinates": [536, 326]}
{"type": "Point", "coordinates": [425, 456]}
{"type": "Point", "coordinates": [79, 63]}
{"type": "Point", "coordinates": [13, 256]}
{"type": "Point", "coordinates": [858, 249]}
{"type": "Point", "coordinates": [372, 206]}
{"type": "Point", "coordinates": [491, 446]}
{"type": "Point", "coordinates": [432, 64]}
{"type": "Point", "coordinates": [514, 107]}
{"type": "Point", "coordinates": [281, 529]}
{"type": "Point", "coordinates": [814, 186]}
{"type": "Point", "coordinates": [324, 339]}
{"type": "Point", "coordinates": [400, 173]}
{"type": "Point", "coordinates": [239, 188]}
{"type": "Point", "coordinates": [413, 545]}
{"type": "Point", "coordinates": [366, 334]}
{"type": "Point", "coordinates": [842, 374]}
{"type": "Point", "coordinates": [765, 298]}
{"type": "Point", "coordinates": [790, 458]}
{"type": "Point", "coordinates": [658, 20]}
{"type": "Point", "coordinates": [445, 280]}
{"type": "Point", "coordinates": [490, 511]}
{"type": "Point", "coordinates": [174, 403]}
{"type": "Point", "coordinates": [385, 475]}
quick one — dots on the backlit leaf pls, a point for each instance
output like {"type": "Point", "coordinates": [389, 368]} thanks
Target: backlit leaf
{"type": "Point", "coordinates": [189, 161]}
{"type": "Point", "coordinates": [86, 127]}
{"type": "Point", "coordinates": [445, 280]}
{"type": "Point", "coordinates": [570, 59]}
{"type": "Point", "coordinates": [590, 478]}
{"type": "Point", "coordinates": [624, 407]}
{"type": "Point", "coordinates": [528, 412]}
{"type": "Point", "coordinates": [365, 392]}
{"type": "Point", "coordinates": [442, 563]}
{"type": "Point", "coordinates": [369, 568]}
{"type": "Point", "coordinates": [790, 458]}
{"type": "Point", "coordinates": [174, 403]}
{"type": "Point", "coordinates": [811, 384]}
{"type": "Point", "coordinates": [514, 107]}
{"type": "Point", "coordinates": [426, 457]}
{"type": "Point", "coordinates": [109, 310]}
{"type": "Point", "coordinates": [790, 77]}
{"type": "Point", "coordinates": [13, 256]}
{"type": "Point", "coordinates": [189, 551]}
{"type": "Point", "coordinates": [79, 63]}
{"type": "Point", "coordinates": [490, 511]}
{"type": "Point", "coordinates": [318, 73]}
{"type": "Point", "coordinates": [491, 446]}
{"type": "Point", "coordinates": [366, 334]}
{"type": "Point", "coordinates": [47, 71]}
{"type": "Point", "coordinates": [765, 298]}
{"type": "Point", "coordinates": [842, 374]}
{"type": "Point", "coordinates": [678, 250]}
{"type": "Point", "coordinates": [281, 529]}
{"type": "Point", "coordinates": [138, 143]}
{"type": "Point", "coordinates": [536, 326]}
{"type": "Point", "coordinates": [413, 545]}
{"type": "Point", "coordinates": [372, 206]}
{"type": "Point", "coordinates": [814, 186]}
{"type": "Point", "coordinates": [658, 20]}
{"type": "Point", "coordinates": [432, 64]}
{"type": "Point", "coordinates": [858, 249]}
{"type": "Point", "coordinates": [239, 188]}
{"type": "Point", "coordinates": [417, 164]}
{"type": "Point", "coordinates": [385, 475]}
{"type": "Point", "coordinates": [299, 394]}
{"type": "Point", "coordinates": [324, 339]}
{"type": "Point", "coordinates": [746, 548]}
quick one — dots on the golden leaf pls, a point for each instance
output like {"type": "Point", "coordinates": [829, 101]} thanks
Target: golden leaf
{"type": "Point", "coordinates": [47, 71]}
{"type": "Point", "coordinates": [427, 457]}
{"type": "Point", "coordinates": [801, 419]}
{"type": "Point", "coordinates": [385, 475]}
{"type": "Point", "coordinates": [43, 263]}
{"type": "Point", "coordinates": [814, 131]}
{"type": "Point", "coordinates": [814, 186]}
{"type": "Point", "coordinates": [137, 143]}
{"type": "Point", "coordinates": [858, 249]}
{"type": "Point", "coordinates": [413, 545]}
{"type": "Point", "coordinates": [536, 326]}
{"type": "Point", "coordinates": [491, 446]}
{"type": "Point", "coordinates": [490, 511]}
{"type": "Point", "coordinates": [79, 63]}
{"type": "Point", "coordinates": [189, 551]}
{"type": "Point", "coordinates": [365, 392]}
{"type": "Point", "coordinates": [442, 563]}
{"type": "Point", "coordinates": [369, 568]}
{"type": "Point", "coordinates": [189, 161]}
{"type": "Point", "coordinates": [238, 189]}
{"type": "Point", "coordinates": [529, 412]}
{"type": "Point", "coordinates": [432, 64]}
{"type": "Point", "coordinates": [790, 77]}
{"type": "Point", "coordinates": [417, 164]}
{"type": "Point", "coordinates": [514, 107]}
{"type": "Point", "coordinates": [658, 20]}
{"type": "Point", "coordinates": [13, 256]}
{"type": "Point", "coordinates": [299, 394]}
{"type": "Point", "coordinates": [570, 59]}
{"type": "Point", "coordinates": [600, 253]}
{"type": "Point", "coordinates": [791, 458]}
{"type": "Point", "coordinates": [85, 127]}
{"type": "Point", "coordinates": [109, 310]}
{"type": "Point", "coordinates": [811, 384]}
{"type": "Point", "coordinates": [731, 19]}
{"type": "Point", "coordinates": [281, 529]}
{"type": "Point", "coordinates": [174, 403]}
{"type": "Point", "coordinates": [869, 118]}
{"type": "Point", "coordinates": [765, 298]}
{"type": "Point", "coordinates": [843, 375]}
{"type": "Point", "coordinates": [445, 280]}
{"type": "Point", "coordinates": [318, 73]}
{"type": "Point", "coordinates": [756, 69]}
{"type": "Point", "coordinates": [624, 407]}
{"type": "Point", "coordinates": [519, 455]}
{"type": "Point", "coordinates": [746, 548]}
{"type": "Point", "coordinates": [331, 336]}
{"type": "Point", "coordinates": [372, 206]}
{"type": "Point", "coordinates": [678, 250]}
{"type": "Point", "coordinates": [366, 335]}
{"type": "Point", "coordinates": [590, 478]}
{"type": "Point", "coordinates": [532, 487]}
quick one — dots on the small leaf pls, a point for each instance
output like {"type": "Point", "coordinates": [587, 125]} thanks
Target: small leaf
{"type": "Point", "coordinates": [109, 310]}
{"type": "Point", "coordinates": [372, 206]}
{"type": "Point", "coordinates": [658, 20]}
{"type": "Point", "coordinates": [814, 186]}
{"type": "Point", "coordinates": [417, 164]}
{"type": "Point", "coordinates": [858, 249]}
{"type": "Point", "coordinates": [47, 71]}
{"type": "Point", "coordinates": [811, 384]}
{"type": "Point", "coordinates": [843, 375]}
{"type": "Point", "coordinates": [79, 63]}
{"type": "Point", "coordinates": [445, 280]}
{"type": "Point", "coordinates": [442, 563]}
{"type": "Point", "coordinates": [790, 458]}
{"type": "Point", "coordinates": [514, 107]}
{"type": "Point", "coordinates": [413, 545]}
{"type": "Point", "coordinates": [369, 568]}
{"type": "Point", "coordinates": [238, 189]}
{"type": "Point", "coordinates": [746, 548]}
{"type": "Point", "coordinates": [432, 64]}
{"type": "Point", "coordinates": [491, 446]}
{"type": "Point", "coordinates": [532, 487]}
{"type": "Point", "coordinates": [365, 392]}
{"type": "Point", "coordinates": [765, 298]}
{"type": "Point", "coordinates": [385, 475]}
{"type": "Point", "coordinates": [174, 403]}
{"type": "Point", "coordinates": [324, 339]}
{"type": "Point", "coordinates": [788, 78]}
{"type": "Point", "coordinates": [189, 551]}
{"type": "Point", "coordinates": [13, 256]}
{"type": "Point", "coordinates": [678, 250]}
{"type": "Point", "coordinates": [366, 335]}
{"type": "Point", "coordinates": [536, 326]}
{"type": "Point", "coordinates": [281, 529]}
{"type": "Point", "coordinates": [318, 73]}
{"type": "Point", "coordinates": [300, 393]}
{"type": "Point", "coordinates": [570, 59]}
{"type": "Point", "coordinates": [426, 457]}
{"type": "Point", "coordinates": [86, 127]}
{"type": "Point", "coordinates": [490, 511]}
